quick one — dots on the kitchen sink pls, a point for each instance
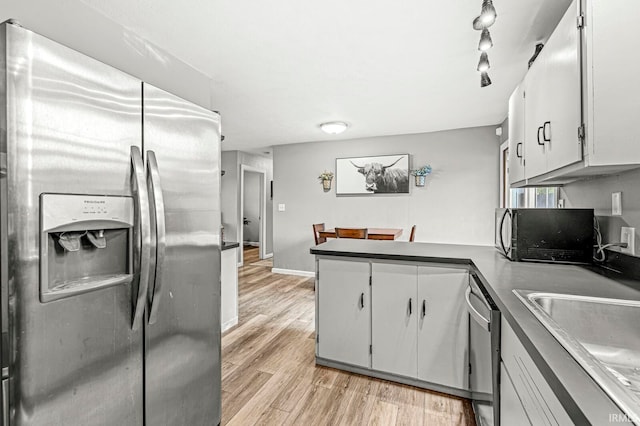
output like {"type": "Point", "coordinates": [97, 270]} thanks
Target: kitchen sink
{"type": "Point", "coordinates": [600, 334]}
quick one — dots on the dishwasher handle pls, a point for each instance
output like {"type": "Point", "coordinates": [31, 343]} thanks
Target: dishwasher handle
{"type": "Point", "coordinates": [477, 316]}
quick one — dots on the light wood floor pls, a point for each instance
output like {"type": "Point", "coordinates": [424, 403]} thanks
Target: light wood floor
{"type": "Point", "coordinates": [269, 375]}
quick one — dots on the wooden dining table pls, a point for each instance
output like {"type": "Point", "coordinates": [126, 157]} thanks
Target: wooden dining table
{"type": "Point", "coordinates": [372, 233]}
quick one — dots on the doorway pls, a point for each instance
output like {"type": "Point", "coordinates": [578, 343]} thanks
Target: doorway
{"type": "Point", "coordinates": [252, 213]}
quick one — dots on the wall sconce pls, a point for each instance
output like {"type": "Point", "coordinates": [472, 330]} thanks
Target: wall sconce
{"type": "Point", "coordinates": [326, 178]}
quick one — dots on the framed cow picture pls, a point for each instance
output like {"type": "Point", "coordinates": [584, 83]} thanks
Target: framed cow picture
{"type": "Point", "coordinates": [384, 174]}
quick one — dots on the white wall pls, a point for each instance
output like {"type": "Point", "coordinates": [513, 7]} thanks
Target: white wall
{"type": "Point", "coordinates": [596, 194]}
{"type": "Point", "coordinates": [81, 28]}
{"type": "Point", "coordinates": [252, 189]}
{"type": "Point", "coordinates": [457, 205]}
{"type": "Point", "coordinates": [229, 195]}
{"type": "Point", "coordinates": [231, 163]}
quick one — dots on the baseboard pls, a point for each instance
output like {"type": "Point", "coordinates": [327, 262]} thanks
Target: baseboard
{"type": "Point", "coordinates": [393, 377]}
{"type": "Point", "coordinates": [252, 243]}
{"type": "Point", "coordinates": [293, 272]}
{"type": "Point", "coordinates": [227, 325]}
{"type": "Point", "coordinates": [268, 255]}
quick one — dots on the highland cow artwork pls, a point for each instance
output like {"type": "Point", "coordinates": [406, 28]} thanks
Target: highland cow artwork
{"type": "Point", "coordinates": [386, 174]}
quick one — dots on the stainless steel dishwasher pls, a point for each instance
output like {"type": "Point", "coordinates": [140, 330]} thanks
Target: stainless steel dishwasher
{"type": "Point", "coordinates": [484, 353]}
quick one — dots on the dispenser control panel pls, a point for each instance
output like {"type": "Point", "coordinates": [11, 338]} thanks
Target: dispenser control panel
{"type": "Point", "coordinates": [95, 207]}
{"type": "Point", "coordinates": [86, 244]}
{"type": "Point", "coordinates": [66, 209]}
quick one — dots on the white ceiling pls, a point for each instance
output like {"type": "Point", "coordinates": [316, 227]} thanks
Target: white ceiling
{"type": "Point", "coordinates": [280, 68]}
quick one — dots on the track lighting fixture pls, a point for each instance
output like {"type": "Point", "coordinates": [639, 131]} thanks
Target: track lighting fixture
{"type": "Point", "coordinates": [483, 64]}
{"type": "Point", "coordinates": [486, 19]}
{"type": "Point", "coordinates": [484, 80]}
{"type": "Point", "coordinates": [488, 14]}
{"type": "Point", "coordinates": [485, 41]}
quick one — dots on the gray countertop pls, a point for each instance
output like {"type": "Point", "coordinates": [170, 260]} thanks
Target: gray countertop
{"type": "Point", "coordinates": [581, 397]}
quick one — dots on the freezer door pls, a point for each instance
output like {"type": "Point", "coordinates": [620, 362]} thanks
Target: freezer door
{"type": "Point", "coordinates": [70, 125]}
{"type": "Point", "coordinates": [182, 350]}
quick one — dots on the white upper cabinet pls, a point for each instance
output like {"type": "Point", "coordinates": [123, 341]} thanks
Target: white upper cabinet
{"type": "Point", "coordinates": [536, 93]}
{"type": "Point", "coordinates": [583, 76]}
{"type": "Point", "coordinates": [562, 117]}
{"type": "Point", "coordinates": [612, 64]}
{"type": "Point", "coordinates": [516, 135]}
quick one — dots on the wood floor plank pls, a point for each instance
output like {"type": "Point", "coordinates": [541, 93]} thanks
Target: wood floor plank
{"type": "Point", "coordinates": [364, 385]}
{"type": "Point", "coordinates": [384, 413]}
{"type": "Point", "coordinates": [272, 417]}
{"type": "Point", "coordinates": [261, 401]}
{"type": "Point", "coordinates": [313, 408]}
{"type": "Point", "coordinates": [238, 396]}
{"type": "Point", "coordinates": [409, 415]}
{"type": "Point", "coordinates": [437, 402]}
{"type": "Point", "coordinates": [358, 410]}
{"type": "Point", "coordinates": [300, 381]}
{"type": "Point", "coordinates": [269, 376]}
{"type": "Point", "coordinates": [397, 393]}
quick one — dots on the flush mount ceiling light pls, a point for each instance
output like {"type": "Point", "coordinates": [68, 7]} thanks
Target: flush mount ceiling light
{"type": "Point", "coordinates": [334, 127]}
{"type": "Point", "coordinates": [485, 41]}
{"type": "Point", "coordinates": [484, 80]}
{"type": "Point", "coordinates": [483, 64]}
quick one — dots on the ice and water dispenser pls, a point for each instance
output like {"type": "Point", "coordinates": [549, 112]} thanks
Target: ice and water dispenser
{"type": "Point", "coordinates": [85, 243]}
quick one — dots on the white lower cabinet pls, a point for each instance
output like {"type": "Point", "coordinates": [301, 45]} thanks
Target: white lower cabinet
{"type": "Point", "coordinates": [533, 395]}
{"type": "Point", "coordinates": [394, 327]}
{"type": "Point", "coordinates": [397, 318]}
{"type": "Point", "coordinates": [420, 326]}
{"type": "Point", "coordinates": [511, 409]}
{"type": "Point", "coordinates": [344, 311]}
{"type": "Point", "coordinates": [443, 327]}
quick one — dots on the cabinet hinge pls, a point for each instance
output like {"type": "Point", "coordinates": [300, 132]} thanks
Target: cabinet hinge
{"type": "Point", "coordinates": [470, 371]}
{"type": "Point", "coordinates": [581, 133]}
{"type": "Point", "coordinates": [317, 338]}
{"type": "Point", "coordinates": [317, 275]}
{"type": "Point", "coordinates": [370, 349]}
{"type": "Point", "coordinates": [580, 21]}
{"type": "Point", "coordinates": [370, 280]}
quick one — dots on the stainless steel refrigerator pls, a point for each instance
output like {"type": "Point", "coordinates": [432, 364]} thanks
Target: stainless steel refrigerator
{"type": "Point", "coordinates": [110, 244]}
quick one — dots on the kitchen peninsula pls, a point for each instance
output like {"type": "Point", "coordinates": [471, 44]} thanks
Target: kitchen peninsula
{"type": "Point", "coordinates": [570, 394]}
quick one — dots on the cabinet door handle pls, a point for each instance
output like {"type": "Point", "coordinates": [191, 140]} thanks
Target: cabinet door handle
{"type": "Point", "coordinates": [424, 308]}
{"type": "Point", "coordinates": [518, 153]}
{"type": "Point", "coordinates": [540, 143]}
{"type": "Point", "coordinates": [362, 301]}
{"type": "Point", "coordinates": [544, 131]}
{"type": "Point", "coordinates": [410, 306]}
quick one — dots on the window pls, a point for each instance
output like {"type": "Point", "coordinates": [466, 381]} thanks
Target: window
{"type": "Point", "coordinates": [541, 197]}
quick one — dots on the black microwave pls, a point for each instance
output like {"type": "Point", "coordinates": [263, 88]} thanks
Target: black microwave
{"type": "Point", "coordinates": [545, 235]}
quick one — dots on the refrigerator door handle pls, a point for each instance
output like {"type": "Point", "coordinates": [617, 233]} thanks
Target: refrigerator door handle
{"type": "Point", "coordinates": [142, 226]}
{"type": "Point", "coordinates": [5, 402]}
{"type": "Point", "coordinates": [161, 235]}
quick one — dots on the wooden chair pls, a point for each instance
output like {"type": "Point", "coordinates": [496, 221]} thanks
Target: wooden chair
{"type": "Point", "coordinates": [412, 236]}
{"type": "Point", "coordinates": [360, 233]}
{"type": "Point", "coordinates": [316, 229]}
